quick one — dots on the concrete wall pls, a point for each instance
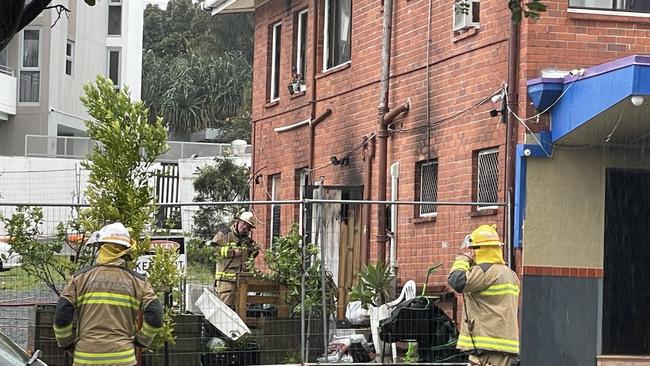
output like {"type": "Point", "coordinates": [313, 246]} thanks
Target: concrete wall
{"type": "Point", "coordinates": [564, 225]}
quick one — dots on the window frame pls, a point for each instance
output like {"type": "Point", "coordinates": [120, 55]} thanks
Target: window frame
{"type": "Point", "coordinates": [69, 58]}
{"type": "Point", "coordinates": [275, 61]}
{"type": "Point", "coordinates": [300, 43]}
{"type": "Point", "coordinates": [477, 181]}
{"type": "Point", "coordinates": [114, 4]}
{"type": "Point", "coordinates": [22, 68]}
{"type": "Point", "coordinates": [4, 58]}
{"type": "Point", "coordinates": [116, 84]}
{"type": "Point", "coordinates": [326, 36]}
{"type": "Point", "coordinates": [615, 7]}
{"type": "Point", "coordinates": [419, 169]}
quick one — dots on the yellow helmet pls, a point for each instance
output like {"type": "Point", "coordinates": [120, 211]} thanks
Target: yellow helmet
{"type": "Point", "coordinates": [248, 218]}
{"type": "Point", "coordinates": [484, 236]}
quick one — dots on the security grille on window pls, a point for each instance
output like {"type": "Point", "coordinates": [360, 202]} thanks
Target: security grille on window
{"type": "Point", "coordinates": [69, 57]}
{"type": "Point", "coordinates": [338, 31]}
{"type": "Point", "coordinates": [428, 187]}
{"type": "Point", "coordinates": [487, 178]}
{"type": "Point", "coordinates": [617, 5]}
{"type": "Point", "coordinates": [30, 73]}
{"type": "Point", "coordinates": [274, 65]}
{"type": "Point", "coordinates": [275, 219]}
{"type": "Point", "coordinates": [115, 18]}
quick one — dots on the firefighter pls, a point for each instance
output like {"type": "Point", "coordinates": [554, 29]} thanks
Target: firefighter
{"type": "Point", "coordinates": [234, 251]}
{"type": "Point", "coordinates": [490, 290]}
{"type": "Point", "coordinates": [107, 297]}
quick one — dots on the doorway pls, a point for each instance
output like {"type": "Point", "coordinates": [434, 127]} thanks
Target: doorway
{"type": "Point", "coordinates": [626, 281]}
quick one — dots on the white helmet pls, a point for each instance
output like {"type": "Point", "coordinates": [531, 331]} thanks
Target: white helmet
{"type": "Point", "coordinates": [114, 233]}
{"type": "Point", "coordinates": [248, 218]}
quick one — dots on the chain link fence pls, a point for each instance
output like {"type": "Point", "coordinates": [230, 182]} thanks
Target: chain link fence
{"type": "Point", "coordinates": [271, 310]}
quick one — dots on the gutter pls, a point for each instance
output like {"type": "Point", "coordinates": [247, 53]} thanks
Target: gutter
{"type": "Point", "coordinates": [310, 122]}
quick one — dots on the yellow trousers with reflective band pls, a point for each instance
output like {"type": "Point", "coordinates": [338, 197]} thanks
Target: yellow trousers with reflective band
{"type": "Point", "coordinates": [488, 358]}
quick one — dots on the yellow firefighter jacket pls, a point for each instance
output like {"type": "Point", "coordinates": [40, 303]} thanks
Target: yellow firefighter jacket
{"type": "Point", "coordinates": [230, 262]}
{"type": "Point", "coordinates": [491, 293]}
{"type": "Point", "coordinates": [106, 298]}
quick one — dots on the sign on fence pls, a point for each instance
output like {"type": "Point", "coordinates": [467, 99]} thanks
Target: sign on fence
{"type": "Point", "coordinates": [176, 243]}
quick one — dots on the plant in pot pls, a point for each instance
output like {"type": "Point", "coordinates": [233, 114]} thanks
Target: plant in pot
{"type": "Point", "coordinates": [296, 84]}
{"type": "Point", "coordinates": [371, 288]}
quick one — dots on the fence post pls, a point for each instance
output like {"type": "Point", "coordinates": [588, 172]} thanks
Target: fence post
{"type": "Point", "coordinates": [303, 212]}
{"type": "Point", "coordinates": [319, 233]}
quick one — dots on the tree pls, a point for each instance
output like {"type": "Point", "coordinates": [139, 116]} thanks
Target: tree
{"type": "Point", "coordinates": [223, 182]}
{"type": "Point", "coordinates": [121, 165]}
{"type": "Point", "coordinates": [197, 70]}
{"type": "Point", "coordinates": [198, 91]}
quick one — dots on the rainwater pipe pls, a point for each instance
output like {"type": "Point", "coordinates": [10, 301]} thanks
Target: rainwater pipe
{"type": "Point", "coordinates": [385, 119]}
{"type": "Point", "coordinates": [314, 63]}
{"type": "Point", "coordinates": [368, 157]}
{"type": "Point", "coordinates": [394, 196]}
{"type": "Point", "coordinates": [512, 100]}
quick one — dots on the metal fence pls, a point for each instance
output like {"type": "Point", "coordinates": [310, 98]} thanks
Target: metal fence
{"type": "Point", "coordinates": [274, 312]}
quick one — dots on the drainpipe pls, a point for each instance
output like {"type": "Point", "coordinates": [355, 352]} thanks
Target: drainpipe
{"type": "Point", "coordinates": [368, 156]}
{"type": "Point", "coordinates": [314, 59]}
{"type": "Point", "coordinates": [511, 133]}
{"type": "Point", "coordinates": [382, 133]}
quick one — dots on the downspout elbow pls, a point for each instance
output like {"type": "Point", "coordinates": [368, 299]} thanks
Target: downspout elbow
{"type": "Point", "coordinates": [395, 112]}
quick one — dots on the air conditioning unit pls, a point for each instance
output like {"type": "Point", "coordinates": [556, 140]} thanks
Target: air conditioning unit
{"type": "Point", "coordinates": [466, 14]}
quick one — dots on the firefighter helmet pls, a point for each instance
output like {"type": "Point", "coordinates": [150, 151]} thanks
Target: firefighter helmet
{"type": "Point", "coordinates": [248, 218]}
{"type": "Point", "coordinates": [114, 233]}
{"type": "Point", "coordinates": [483, 236]}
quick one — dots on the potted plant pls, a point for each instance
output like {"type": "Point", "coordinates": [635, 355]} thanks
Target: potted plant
{"type": "Point", "coordinates": [371, 288]}
{"type": "Point", "coordinates": [297, 84]}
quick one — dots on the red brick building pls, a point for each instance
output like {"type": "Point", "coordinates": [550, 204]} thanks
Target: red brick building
{"type": "Point", "coordinates": [450, 148]}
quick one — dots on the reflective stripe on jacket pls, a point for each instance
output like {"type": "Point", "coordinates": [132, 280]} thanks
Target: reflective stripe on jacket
{"type": "Point", "coordinates": [107, 298]}
{"type": "Point", "coordinates": [491, 294]}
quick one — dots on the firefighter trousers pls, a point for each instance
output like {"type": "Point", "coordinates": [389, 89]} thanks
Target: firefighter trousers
{"type": "Point", "coordinates": [487, 358]}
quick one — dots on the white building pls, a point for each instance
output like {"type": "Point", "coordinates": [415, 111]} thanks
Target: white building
{"type": "Point", "coordinates": [43, 69]}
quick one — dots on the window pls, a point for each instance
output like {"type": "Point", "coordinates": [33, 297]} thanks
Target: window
{"type": "Point", "coordinates": [426, 175]}
{"type": "Point", "coordinates": [3, 58]}
{"type": "Point", "coordinates": [466, 14]}
{"type": "Point", "coordinates": [115, 18]}
{"type": "Point", "coordinates": [274, 62]}
{"type": "Point", "coordinates": [300, 44]}
{"type": "Point", "coordinates": [114, 67]}
{"type": "Point", "coordinates": [30, 72]}
{"type": "Point", "coordinates": [337, 33]}
{"type": "Point", "coordinates": [69, 57]}
{"type": "Point", "coordinates": [487, 177]}
{"type": "Point", "coordinates": [274, 217]}
{"type": "Point", "coordinates": [620, 5]}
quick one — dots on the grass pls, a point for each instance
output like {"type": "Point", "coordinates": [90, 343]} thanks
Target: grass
{"type": "Point", "coordinates": [16, 279]}
{"type": "Point", "coordinates": [200, 273]}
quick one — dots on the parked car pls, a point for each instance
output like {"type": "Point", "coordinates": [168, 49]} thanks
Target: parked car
{"type": "Point", "coordinates": [8, 258]}
{"type": "Point", "coordinates": [12, 355]}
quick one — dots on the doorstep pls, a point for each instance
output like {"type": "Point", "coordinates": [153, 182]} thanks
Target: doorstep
{"type": "Point", "coordinates": [622, 360]}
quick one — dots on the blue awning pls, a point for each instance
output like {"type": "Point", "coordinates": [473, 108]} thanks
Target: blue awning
{"type": "Point", "coordinates": [590, 105]}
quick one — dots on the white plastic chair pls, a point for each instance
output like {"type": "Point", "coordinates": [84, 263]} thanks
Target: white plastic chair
{"type": "Point", "coordinates": [408, 292]}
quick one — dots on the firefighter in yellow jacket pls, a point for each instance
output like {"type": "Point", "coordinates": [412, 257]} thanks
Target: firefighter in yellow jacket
{"type": "Point", "coordinates": [234, 249]}
{"type": "Point", "coordinates": [491, 291]}
{"type": "Point", "coordinates": [107, 297]}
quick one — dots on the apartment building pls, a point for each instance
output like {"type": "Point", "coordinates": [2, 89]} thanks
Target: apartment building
{"type": "Point", "coordinates": [44, 68]}
{"type": "Point", "coordinates": [568, 147]}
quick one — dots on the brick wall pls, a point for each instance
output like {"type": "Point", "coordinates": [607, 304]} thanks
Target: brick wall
{"type": "Point", "coordinates": [463, 69]}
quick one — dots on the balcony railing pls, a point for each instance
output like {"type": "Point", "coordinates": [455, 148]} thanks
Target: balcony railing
{"type": "Point", "coordinates": [79, 147]}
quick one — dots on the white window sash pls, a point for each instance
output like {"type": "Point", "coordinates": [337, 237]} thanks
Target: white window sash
{"type": "Point", "coordinates": [70, 57]}
{"type": "Point", "coordinates": [117, 82]}
{"type": "Point", "coordinates": [274, 55]}
{"type": "Point", "coordinates": [300, 42]}
{"type": "Point", "coordinates": [326, 35]}
{"type": "Point", "coordinates": [22, 52]}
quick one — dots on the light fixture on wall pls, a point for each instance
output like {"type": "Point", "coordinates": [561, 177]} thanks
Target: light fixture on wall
{"type": "Point", "coordinates": [637, 100]}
